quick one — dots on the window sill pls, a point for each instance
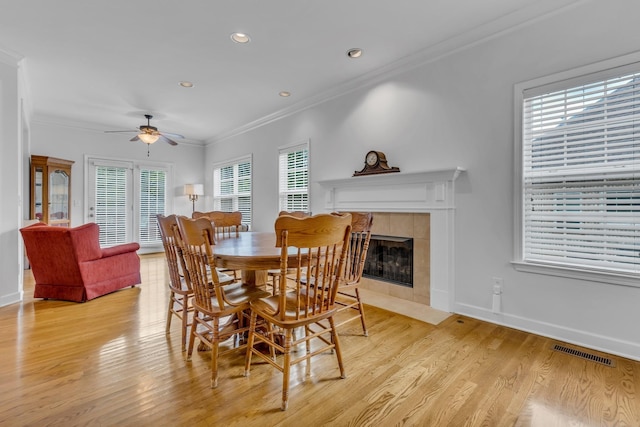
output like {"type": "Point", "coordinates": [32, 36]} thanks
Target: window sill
{"type": "Point", "coordinates": [580, 274]}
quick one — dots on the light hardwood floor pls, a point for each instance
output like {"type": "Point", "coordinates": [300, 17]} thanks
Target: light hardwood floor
{"type": "Point", "coordinates": [108, 362]}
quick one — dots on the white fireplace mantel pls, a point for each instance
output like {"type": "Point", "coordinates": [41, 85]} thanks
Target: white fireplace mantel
{"type": "Point", "coordinates": [393, 192]}
{"type": "Point", "coordinates": [430, 192]}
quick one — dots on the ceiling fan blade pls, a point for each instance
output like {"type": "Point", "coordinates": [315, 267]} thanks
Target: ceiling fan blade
{"type": "Point", "coordinates": [172, 135]}
{"type": "Point", "coordinates": [135, 138]}
{"type": "Point", "coordinates": [121, 131]}
{"type": "Point", "coordinates": [170, 141]}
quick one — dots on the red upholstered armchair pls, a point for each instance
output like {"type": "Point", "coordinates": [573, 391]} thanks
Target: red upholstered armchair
{"type": "Point", "coordinates": [68, 263]}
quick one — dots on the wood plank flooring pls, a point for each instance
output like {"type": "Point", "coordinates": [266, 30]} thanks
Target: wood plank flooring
{"type": "Point", "coordinates": [108, 362]}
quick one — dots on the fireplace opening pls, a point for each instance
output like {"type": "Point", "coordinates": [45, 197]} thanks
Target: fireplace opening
{"type": "Point", "coordinates": [390, 259]}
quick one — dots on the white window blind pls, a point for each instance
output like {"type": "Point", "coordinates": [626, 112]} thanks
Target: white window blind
{"type": "Point", "coordinates": [152, 202]}
{"type": "Point", "coordinates": [294, 178]}
{"type": "Point", "coordinates": [232, 188]}
{"type": "Point", "coordinates": [581, 175]}
{"type": "Point", "coordinates": [111, 207]}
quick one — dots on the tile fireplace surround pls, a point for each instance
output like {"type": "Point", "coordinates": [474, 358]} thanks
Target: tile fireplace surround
{"type": "Point", "coordinates": [415, 225]}
{"type": "Point", "coordinates": [419, 205]}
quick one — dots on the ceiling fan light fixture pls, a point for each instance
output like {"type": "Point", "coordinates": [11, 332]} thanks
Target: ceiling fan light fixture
{"type": "Point", "coordinates": [240, 38]}
{"type": "Point", "coordinates": [148, 138]}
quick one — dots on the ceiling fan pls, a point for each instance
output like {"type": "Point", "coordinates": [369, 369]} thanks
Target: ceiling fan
{"type": "Point", "coordinates": [150, 134]}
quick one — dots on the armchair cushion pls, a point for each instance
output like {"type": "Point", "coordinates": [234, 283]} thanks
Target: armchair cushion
{"type": "Point", "coordinates": [68, 263]}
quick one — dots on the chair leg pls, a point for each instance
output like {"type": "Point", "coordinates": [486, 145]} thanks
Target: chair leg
{"type": "Point", "coordinates": [250, 339]}
{"type": "Point", "coordinates": [192, 335]}
{"type": "Point", "coordinates": [286, 367]}
{"type": "Point", "coordinates": [270, 334]}
{"type": "Point", "coordinates": [170, 312]}
{"type": "Point", "coordinates": [361, 310]}
{"type": "Point", "coordinates": [336, 343]}
{"type": "Point", "coordinates": [185, 318]}
{"type": "Point", "coordinates": [307, 331]}
{"type": "Point", "coordinates": [215, 340]}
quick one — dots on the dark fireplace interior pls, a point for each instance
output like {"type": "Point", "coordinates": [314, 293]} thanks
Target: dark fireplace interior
{"type": "Point", "coordinates": [390, 259]}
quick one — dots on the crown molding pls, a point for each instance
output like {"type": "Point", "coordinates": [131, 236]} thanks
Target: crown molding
{"type": "Point", "coordinates": [506, 24]}
{"type": "Point", "coordinates": [10, 57]}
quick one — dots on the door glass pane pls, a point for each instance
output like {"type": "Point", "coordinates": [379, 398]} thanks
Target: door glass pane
{"type": "Point", "coordinates": [111, 204]}
{"type": "Point", "coordinates": [152, 202]}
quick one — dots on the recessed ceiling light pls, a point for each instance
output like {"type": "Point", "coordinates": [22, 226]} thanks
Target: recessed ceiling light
{"type": "Point", "coordinates": [354, 53]}
{"type": "Point", "coordinates": [240, 38]}
{"type": "Point", "coordinates": [284, 94]}
{"type": "Point", "coordinates": [185, 84]}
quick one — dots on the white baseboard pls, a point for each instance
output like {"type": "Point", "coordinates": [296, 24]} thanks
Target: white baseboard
{"type": "Point", "coordinates": [10, 299]}
{"type": "Point", "coordinates": [627, 349]}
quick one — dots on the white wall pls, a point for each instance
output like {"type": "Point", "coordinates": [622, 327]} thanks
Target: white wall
{"type": "Point", "coordinates": [75, 143]}
{"type": "Point", "coordinates": [458, 111]}
{"type": "Point", "coordinates": [10, 182]}
{"type": "Point", "coordinates": [72, 143]}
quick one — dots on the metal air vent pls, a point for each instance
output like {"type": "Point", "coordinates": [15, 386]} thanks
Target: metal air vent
{"type": "Point", "coordinates": [583, 355]}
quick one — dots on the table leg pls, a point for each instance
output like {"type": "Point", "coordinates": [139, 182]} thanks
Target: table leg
{"type": "Point", "coordinates": [254, 277]}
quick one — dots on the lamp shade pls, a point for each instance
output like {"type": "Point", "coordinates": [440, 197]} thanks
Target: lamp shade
{"type": "Point", "coordinates": [194, 189]}
{"type": "Point", "coordinates": [148, 138]}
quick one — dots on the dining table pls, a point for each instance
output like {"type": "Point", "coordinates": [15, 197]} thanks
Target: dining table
{"type": "Point", "coordinates": [251, 252]}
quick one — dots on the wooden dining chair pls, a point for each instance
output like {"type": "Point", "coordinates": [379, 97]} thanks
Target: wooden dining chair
{"type": "Point", "coordinates": [180, 289]}
{"type": "Point", "coordinates": [319, 245]}
{"type": "Point", "coordinates": [225, 225]}
{"type": "Point", "coordinates": [348, 300]}
{"type": "Point", "coordinates": [274, 274]}
{"type": "Point", "coordinates": [179, 284]}
{"type": "Point", "coordinates": [218, 309]}
{"type": "Point", "coordinates": [297, 214]}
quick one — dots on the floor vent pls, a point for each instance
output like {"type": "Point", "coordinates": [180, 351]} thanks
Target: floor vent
{"type": "Point", "coordinates": [588, 356]}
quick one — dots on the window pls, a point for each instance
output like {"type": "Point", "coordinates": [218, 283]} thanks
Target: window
{"type": "Point", "coordinates": [124, 199]}
{"type": "Point", "coordinates": [232, 188]}
{"type": "Point", "coordinates": [152, 202]}
{"type": "Point", "coordinates": [110, 203]}
{"type": "Point", "coordinates": [294, 177]}
{"type": "Point", "coordinates": [580, 173]}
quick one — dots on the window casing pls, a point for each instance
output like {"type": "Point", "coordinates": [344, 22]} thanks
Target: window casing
{"type": "Point", "coordinates": [232, 187]}
{"type": "Point", "coordinates": [579, 176]}
{"type": "Point", "coordinates": [294, 177]}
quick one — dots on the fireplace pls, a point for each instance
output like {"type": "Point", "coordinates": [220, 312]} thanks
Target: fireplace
{"type": "Point", "coordinates": [390, 259]}
{"type": "Point", "coordinates": [419, 205]}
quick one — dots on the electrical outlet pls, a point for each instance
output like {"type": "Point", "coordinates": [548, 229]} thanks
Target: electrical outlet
{"type": "Point", "coordinates": [497, 285]}
{"type": "Point", "coordinates": [496, 302]}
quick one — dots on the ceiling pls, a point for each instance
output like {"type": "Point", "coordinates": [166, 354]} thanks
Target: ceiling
{"type": "Point", "coordinates": [106, 64]}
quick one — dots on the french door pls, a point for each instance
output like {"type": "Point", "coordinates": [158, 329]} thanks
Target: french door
{"type": "Point", "coordinates": [123, 198]}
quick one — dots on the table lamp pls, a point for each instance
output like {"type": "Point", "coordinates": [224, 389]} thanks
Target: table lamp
{"type": "Point", "coordinates": [193, 191]}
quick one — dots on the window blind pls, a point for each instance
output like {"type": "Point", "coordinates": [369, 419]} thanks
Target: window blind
{"type": "Point", "coordinates": [111, 204]}
{"type": "Point", "coordinates": [232, 188]}
{"type": "Point", "coordinates": [152, 202]}
{"type": "Point", "coordinates": [294, 178]}
{"type": "Point", "coordinates": [581, 175]}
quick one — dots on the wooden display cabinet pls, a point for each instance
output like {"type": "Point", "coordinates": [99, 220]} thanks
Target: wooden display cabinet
{"type": "Point", "coordinates": [51, 190]}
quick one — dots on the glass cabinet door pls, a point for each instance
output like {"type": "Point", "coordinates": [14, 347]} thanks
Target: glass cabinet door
{"type": "Point", "coordinates": [58, 196]}
{"type": "Point", "coordinates": [51, 190]}
{"type": "Point", "coordinates": [37, 193]}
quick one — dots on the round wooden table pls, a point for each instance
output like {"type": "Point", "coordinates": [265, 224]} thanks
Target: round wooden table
{"type": "Point", "coordinates": [252, 252]}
